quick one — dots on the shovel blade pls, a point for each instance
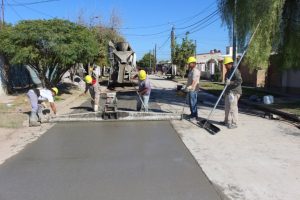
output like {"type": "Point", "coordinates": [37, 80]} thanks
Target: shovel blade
{"type": "Point", "coordinates": [212, 129]}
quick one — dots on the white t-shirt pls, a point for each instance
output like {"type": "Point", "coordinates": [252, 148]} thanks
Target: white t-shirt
{"type": "Point", "coordinates": [46, 95]}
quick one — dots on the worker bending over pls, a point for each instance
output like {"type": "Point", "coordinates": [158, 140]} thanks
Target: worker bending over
{"type": "Point", "coordinates": [37, 98]}
{"type": "Point", "coordinates": [144, 91]}
{"type": "Point", "coordinates": [93, 87]}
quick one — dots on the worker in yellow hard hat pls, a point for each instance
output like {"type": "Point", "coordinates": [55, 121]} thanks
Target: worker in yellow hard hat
{"type": "Point", "coordinates": [192, 87]}
{"type": "Point", "coordinates": [143, 91]}
{"type": "Point", "coordinates": [232, 93]}
{"type": "Point", "coordinates": [37, 98]}
{"type": "Point", "coordinates": [93, 87]}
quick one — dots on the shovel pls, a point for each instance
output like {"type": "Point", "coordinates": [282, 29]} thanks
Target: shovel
{"type": "Point", "coordinates": [205, 123]}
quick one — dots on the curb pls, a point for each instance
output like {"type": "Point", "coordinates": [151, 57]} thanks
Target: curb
{"type": "Point", "coordinates": [285, 115]}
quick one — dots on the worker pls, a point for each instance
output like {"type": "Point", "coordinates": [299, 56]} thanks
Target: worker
{"type": "Point", "coordinates": [192, 87]}
{"type": "Point", "coordinates": [37, 98]}
{"type": "Point", "coordinates": [93, 87]}
{"type": "Point", "coordinates": [143, 91]}
{"type": "Point", "coordinates": [232, 94]}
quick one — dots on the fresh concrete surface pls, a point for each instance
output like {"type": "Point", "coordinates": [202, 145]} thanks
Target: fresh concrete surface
{"type": "Point", "coordinates": [120, 160]}
{"type": "Point", "coordinates": [257, 161]}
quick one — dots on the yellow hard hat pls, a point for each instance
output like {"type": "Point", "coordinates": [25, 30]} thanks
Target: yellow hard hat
{"type": "Point", "coordinates": [55, 90]}
{"type": "Point", "coordinates": [88, 79]}
{"type": "Point", "coordinates": [142, 75]}
{"type": "Point", "coordinates": [191, 59]}
{"type": "Point", "coordinates": [228, 60]}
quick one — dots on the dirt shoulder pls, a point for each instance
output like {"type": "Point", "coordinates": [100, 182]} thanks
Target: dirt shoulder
{"type": "Point", "coordinates": [14, 131]}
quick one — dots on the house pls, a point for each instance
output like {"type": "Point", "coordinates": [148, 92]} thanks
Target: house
{"type": "Point", "coordinates": [286, 81]}
{"type": "Point", "coordinates": [209, 64]}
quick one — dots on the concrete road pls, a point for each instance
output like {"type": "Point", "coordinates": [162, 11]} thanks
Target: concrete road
{"type": "Point", "coordinates": [124, 160]}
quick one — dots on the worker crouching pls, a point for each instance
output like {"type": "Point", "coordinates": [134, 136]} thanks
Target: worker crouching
{"type": "Point", "coordinates": [144, 91]}
{"type": "Point", "coordinates": [37, 98]}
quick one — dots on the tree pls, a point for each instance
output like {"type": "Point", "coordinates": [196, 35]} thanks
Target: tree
{"type": "Point", "coordinates": [50, 47]}
{"type": "Point", "coordinates": [145, 62]}
{"type": "Point", "coordinates": [182, 52]}
{"type": "Point", "coordinates": [279, 29]}
{"type": "Point", "coordinates": [104, 35]}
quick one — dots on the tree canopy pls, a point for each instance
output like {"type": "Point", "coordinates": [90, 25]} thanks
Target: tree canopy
{"type": "Point", "coordinates": [145, 62]}
{"type": "Point", "coordinates": [183, 51]}
{"type": "Point", "coordinates": [104, 35]}
{"type": "Point", "coordinates": [278, 31]}
{"type": "Point", "coordinates": [50, 47]}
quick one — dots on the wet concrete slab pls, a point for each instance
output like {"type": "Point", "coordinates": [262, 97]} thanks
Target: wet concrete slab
{"type": "Point", "coordinates": [107, 161]}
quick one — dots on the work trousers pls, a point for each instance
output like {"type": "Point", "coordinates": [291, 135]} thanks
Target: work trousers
{"type": "Point", "coordinates": [145, 103]}
{"type": "Point", "coordinates": [192, 100]}
{"type": "Point", "coordinates": [33, 98]}
{"type": "Point", "coordinates": [95, 94]}
{"type": "Point", "coordinates": [231, 109]}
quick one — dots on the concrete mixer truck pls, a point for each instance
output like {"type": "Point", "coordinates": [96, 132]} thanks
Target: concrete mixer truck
{"type": "Point", "coordinates": [122, 60]}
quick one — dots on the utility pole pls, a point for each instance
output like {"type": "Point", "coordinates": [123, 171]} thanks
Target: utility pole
{"type": "Point", "coordinates": [195, 48]}
{"type": "Point", "coordinates": [234, 33]}
{"type": "Point", "coordinates": [150, 59]}
{"type": "Point", "coordinates": [2, 14]}
{"type": "Point", "coordinates": [172, 44]}
{"type": "Point", "coordinates": [155, 58]}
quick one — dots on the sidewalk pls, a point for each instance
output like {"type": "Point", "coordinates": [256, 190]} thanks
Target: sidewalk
{"type": "Point", "coordinates": [258, 161]}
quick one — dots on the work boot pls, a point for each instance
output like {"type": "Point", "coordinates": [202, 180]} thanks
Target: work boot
{"type": "Point", "coordinates": [223, 123]}
{"type": "Point", "coordinates": [33, 120]}
{"type": "Point", "coordinates": [96, 108]}
{"type": "Point", "coordinates": [232, 126]}
{"type": "Point", "coordinates": [193, 120]}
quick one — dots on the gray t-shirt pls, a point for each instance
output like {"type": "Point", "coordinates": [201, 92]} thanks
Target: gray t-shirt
{"type": "Point", "coordinates": [145, 84]}
{"type": "Point", "coordinates": [194, 75]}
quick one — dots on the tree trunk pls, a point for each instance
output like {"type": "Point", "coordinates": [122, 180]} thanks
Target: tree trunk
{"type": "Point", "coordinates": [5, 76]}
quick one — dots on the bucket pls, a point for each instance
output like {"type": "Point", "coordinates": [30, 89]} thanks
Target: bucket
{"type": "Point", "coordinates": [179, 87]}
{"type": "Point", "coordinates": [268, 99]}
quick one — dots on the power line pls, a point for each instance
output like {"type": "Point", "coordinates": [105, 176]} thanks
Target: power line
{"type": "Point", "coordinates": [204, 26]}
{"type": "Point", "coordinates": [15, 11]}
{"type": "Point", "coordinates": [164, 43]}
{"type": "Point", "coordinates": [203, 19]}
{"type": "Point", "coordinates": [35, 10]}
{"type": "Point", "coordinates": [204, 22]}
{"type": "Point", "coordinates": [200, 25]}
{"type": "Point", "coordinates": [170, 23]}
{"type": "Point", "coordinates": [150, 34]}
{"type": "Point", "coordinates": [194, 25]}
{"type": "Point", "coordinates": [199, 13]}
{"type": "Point", "coordinates": [29, 3]}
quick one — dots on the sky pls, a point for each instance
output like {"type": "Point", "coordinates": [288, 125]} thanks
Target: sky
{"type": "Point", "coordinates": [144, 24]}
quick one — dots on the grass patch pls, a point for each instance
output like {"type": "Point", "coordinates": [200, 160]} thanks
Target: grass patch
{"type": "Point", "coordinates": [11, 114]}
{"type": "Point", "coordinates": [290, 107]}
{"type": "Point", "coordinates": [216, 89]}
{"type": "Point", "coordinates": [213, 88]}
{"type": "Point", "coordinates": [12, 120]}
